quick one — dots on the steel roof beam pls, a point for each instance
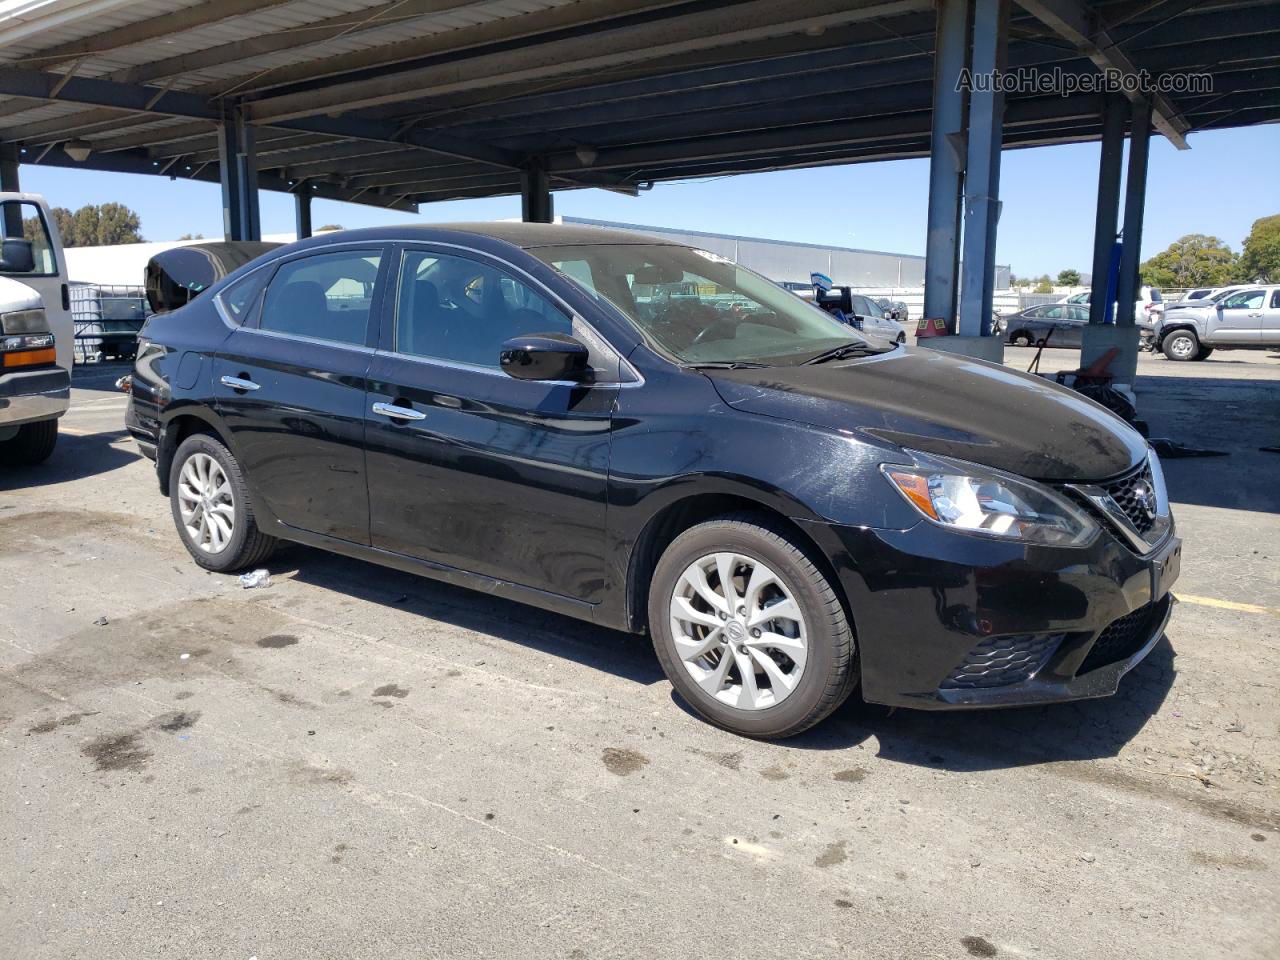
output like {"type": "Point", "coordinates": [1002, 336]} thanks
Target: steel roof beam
{"type": "Point", "coordinates": [136, 163]}
{"type": "Point", "coordinates": [591, 52]}
{"type": "Point", "coordinates": [1079, 25]}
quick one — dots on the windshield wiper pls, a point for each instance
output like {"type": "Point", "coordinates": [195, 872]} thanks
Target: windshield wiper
{"type": "Point", "coordinates": [724, 365]}
{"type": "Point", "coordinates": [842, 352]}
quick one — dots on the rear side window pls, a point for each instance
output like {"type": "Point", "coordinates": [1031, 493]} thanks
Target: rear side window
{"type": "Point", "coordinates": [1156, 296]}
{"type": "Point", "coordinates": [1275, 299]}
{"type": "Point", "coordinates": [323, 297]}
{"type": "Point", "coordinates": [241, 299]}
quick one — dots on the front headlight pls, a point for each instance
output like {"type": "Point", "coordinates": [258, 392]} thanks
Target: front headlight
{"type": "Point", "coordinates": [976, 499]}
{"type": "Point", "coordinates": [24, 321]}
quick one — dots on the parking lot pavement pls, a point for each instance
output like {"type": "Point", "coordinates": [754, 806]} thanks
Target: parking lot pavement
{"type": "Point", "coordinates": [356, 763]}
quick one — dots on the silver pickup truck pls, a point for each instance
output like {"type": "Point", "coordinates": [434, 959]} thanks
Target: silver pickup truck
{"type": "Point", "coordinates": [36, 331]}
{"type": "Point", "coordinates": [1246, 319]}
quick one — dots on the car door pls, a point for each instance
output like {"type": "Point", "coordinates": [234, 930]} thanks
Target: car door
{"type": "Point", "coordinates": [472, 468]}
{"type": "Point", "coordinates": [290, 385]}
{"type": "Point", "coordinates": [1238, 318]}
{"type": "Point", "coordinates": [1271, 319]}
{"type": "Point", "coordinates": [1069, 327]}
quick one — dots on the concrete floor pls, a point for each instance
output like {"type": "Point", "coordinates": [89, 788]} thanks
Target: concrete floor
{"type": "Point", "coordinates": [355, 763]}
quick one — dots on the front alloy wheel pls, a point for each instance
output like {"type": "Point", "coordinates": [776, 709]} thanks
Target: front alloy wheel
{"type": "Point", "coordinates": [738, 630]}
{"type": "Point", "coordinates": [748, 627]}
{"type": "Point", "coordinates": [1181, 345]}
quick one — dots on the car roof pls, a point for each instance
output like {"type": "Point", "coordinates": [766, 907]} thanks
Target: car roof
{"type": "Point", "coordinates": [524, 235]}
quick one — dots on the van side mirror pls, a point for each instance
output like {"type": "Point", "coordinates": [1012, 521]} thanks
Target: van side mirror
{"type": "Point", "coordinates": [544, 356]}
{"type": "Point", "coordinates": [17, 256]}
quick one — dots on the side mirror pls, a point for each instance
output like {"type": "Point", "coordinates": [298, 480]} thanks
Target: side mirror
{"type": "Point", "coordinates": [544, 356]}
{"type": "Point", "coordinates": [17, 256]}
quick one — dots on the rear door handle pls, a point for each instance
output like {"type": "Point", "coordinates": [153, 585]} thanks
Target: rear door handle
{"type": "Point", "coordinates": [235, 383]}
{"type": "Point", "coordinates": [398, 413]}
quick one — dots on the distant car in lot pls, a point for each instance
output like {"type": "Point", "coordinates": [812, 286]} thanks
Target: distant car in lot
{"type": "Point", "coordinates": [1147, 308]}
{"type": "Point", "coordinates": [1057, 324]}
{"type": "Point", "coordinates": [1244, 319]}
{"type": "Point", "coordinates": [566, 416]}
{"type": "Point", "coordinates": [1211, 294]}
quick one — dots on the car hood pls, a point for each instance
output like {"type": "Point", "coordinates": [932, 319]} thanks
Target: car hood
{"type": "Point", "coordinates": [948, 405]}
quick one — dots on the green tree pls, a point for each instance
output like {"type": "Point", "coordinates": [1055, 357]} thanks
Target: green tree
{"type": "Point", "coordinates": [192, 236]}
{"type": "Point", "coordinates": [1261, 257]}
{"type": "Point", "coordinates": [93, 226]}
{"type": "Point", "coordinates": [1044, 285]}
{"type": "Point", "coordinates": [330, 226]}
{"type": "Point", "coordinates": [1192, 261]}
{"type": "Point", "coordinates": [1069, 278]}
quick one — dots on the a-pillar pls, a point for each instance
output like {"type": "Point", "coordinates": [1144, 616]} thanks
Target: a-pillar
{"type": "Point", "coordinates": [239, 168]}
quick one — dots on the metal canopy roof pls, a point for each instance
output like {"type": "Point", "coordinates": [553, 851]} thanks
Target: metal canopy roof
{"type": "Point", "coordinates": [399, 102]}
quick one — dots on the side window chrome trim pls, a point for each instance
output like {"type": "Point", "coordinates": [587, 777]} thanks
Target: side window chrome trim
{"type": "Point", "coordinates": [224, 311]}
{"type": "Point", "coordinates": [303, 338]}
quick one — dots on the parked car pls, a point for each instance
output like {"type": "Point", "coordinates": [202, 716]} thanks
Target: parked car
{"type": "Point", "coordinates": [1057, 324]}
{"type": "Point", "coordinates": [894, 309]}
{"type": "Point", "coordinates": [1147, 308]}
{"type": "Point", "coordinates": [36, 332]}
{"type": "Point", "coordinates": [1211, 294]}
{"type": "Point", "coordinates": [870, 317]}
{"type": "Point", "coordinates": [790, 508]}
{"type": "Point", "coordinates": [1246, 319]}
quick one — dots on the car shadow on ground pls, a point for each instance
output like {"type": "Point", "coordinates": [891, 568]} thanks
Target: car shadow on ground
{"type": "Point", "coordinates": [74, 458]}
{"type": "Point", "coordinates": [609, 651]}
{"type": "Point", "coordinates": [955, 741]}
{"type": "Point", "coordinates": [976, 740]}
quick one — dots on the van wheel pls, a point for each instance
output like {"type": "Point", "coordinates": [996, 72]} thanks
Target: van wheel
{"type": "Point", "coordinates": [1021, 339]}
{"type": "Point", "coordinates": [211, 507]}
{"type": "Point", "coordinates": [1181, 345]}
{"type": "Point", "coordinates": [748, 630]}
{"type": "Point", "coordinates": [33, 444]}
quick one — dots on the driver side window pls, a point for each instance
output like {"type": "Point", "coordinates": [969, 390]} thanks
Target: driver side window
{"type": "Point", "coordinates": [462, 310]}
{"type": "Point", "coordinates": [1245, 300]}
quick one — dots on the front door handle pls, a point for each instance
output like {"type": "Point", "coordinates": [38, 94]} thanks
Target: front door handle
{"type": "Point", "coordinates": [236, 383]}
{"type": "Point", "coordinates": [398, 413]}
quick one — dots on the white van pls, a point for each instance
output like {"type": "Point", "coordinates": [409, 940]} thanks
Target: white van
{"type": "Point", "coordinates": [36, 332]}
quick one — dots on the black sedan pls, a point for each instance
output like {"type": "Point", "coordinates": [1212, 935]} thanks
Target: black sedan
{"type": "Point", "coordinates": [570, 417]}
{"type": "Point", "coordinates": [1054, 324]}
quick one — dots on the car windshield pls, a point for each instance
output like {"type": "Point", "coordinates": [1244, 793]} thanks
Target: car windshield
{"type": "Point", "coordinates": [699, 307]}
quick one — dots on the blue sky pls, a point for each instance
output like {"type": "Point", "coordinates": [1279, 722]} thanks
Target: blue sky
{"type": "Point", "coordinates": [1219, 187]}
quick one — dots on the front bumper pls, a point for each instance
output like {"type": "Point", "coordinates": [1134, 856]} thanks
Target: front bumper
{"type": "Point", "coordinates": [948, 621]}
{"type": "Point", "coordinates": [28, 395]}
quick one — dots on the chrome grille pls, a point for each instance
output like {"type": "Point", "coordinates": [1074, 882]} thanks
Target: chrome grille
{"type": "Point", "coordinates": [1127, 493]}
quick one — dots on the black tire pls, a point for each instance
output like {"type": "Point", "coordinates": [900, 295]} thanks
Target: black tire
{"type": "Point", "coordinates": [1205, 352]}
{"type": "Point", "coordinates": [1021, 339]}
{"type": "Point", "coordinates": [34, 444]}
{"type": "Point", "coordinates": [247, 546]}
{"type": "Point", "coordinates": [1181, 345]}
{"type": "Point", "coordinates": [829, 674]}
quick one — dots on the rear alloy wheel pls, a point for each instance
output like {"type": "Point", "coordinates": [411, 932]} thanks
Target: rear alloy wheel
{"type": "Point", "coordinates": [1181, 345]}
{"type": "Point", "coordinates": [33, 444]}
{"type": "Point", "coordinates": [749, 630]}
{"type": "Point", "coordinates": [211, 508]}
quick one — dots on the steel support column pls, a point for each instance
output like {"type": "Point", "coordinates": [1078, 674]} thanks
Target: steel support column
{"type": "Point", "coordinates": [1135, 199]}
{"type": "Point", "coordinates": [239, 170]}
{"type": "Point", "coordinates": [536, 205]}
{"type": "Point", "coordinates": [982, 169]}
{"type": "Point", "coordinates": [12, 226]}
{"type": "Point", "coordinates": [302, 211]}
{"type": "Point", "coordinates": [1108, 211]}
{"type": "Point", "coordinates": [946, 160]}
